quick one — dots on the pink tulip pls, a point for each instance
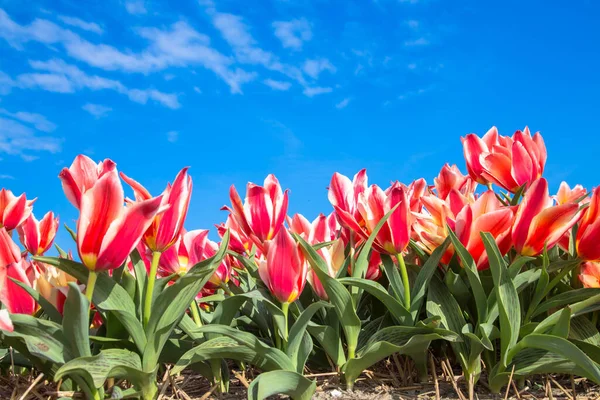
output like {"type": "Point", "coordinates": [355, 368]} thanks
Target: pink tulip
{"type": "Point", "coordinates": [450, 178]}
{"type": "Point", "coordinates": [238, 239]}
{"type": "Point", "coordinates": [37, 236]}
{"type": "Point", "coordinates": [343, 194]}
{"type": "Point", "coordinates": [81, 176]}
{"type": "Point", "coordinates": [166, 228]}
{"type": "Point", "coordinates": [13, 210]}
{"type": "Point", "coordinates": [14, 298]}
{"type": "Point", "coordinates": [107, 232]}
{"type": "Point", "coordinates": [509, 162]}
{"type": "Point", "coordinates": [567, 195]}
{"type": "Point", "coordinates": [487, 214]}
{"type": "Point", "coordinates": [263, 212]}
{"type": "Point", "coordinates": [5, 322]}
{"type": "Point", "coordinates": [590, 274]}
{"type": "Point", "coordinates": [538, 223]}
{"type": "Point", "coordinates": [285, 269]}
{"type": "Point", "coordinates": [334, 258]}
{"type": "Point", "coordinates": [588, 233]}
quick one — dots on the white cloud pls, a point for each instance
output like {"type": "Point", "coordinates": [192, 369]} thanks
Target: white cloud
{"type": "Point", "coordinates": [172, 136]}
{"type": "Point", "coordinates": [417, 42]}
{"type": "Point", "coordinates": [411, 66]}
{"type": "Point", "coordinates": [97, 110]}
{"type": "Point", "coordinates": [343, 104]}
{"type": "Point", "coordinates": [58, 76]}
{"type": "Point", "coordinates": [313, 68]}
{"type": "Point", "coordinates": [293, 33]}
{"type": "Point", "coordinates": [79, 23]}
{"type": "Point", "coordinates": [136, 7]}
{"type": "Point", "coordinates": [177, 46]}
{"type": "Point", "coordinates": [6, 177]}
{"type": "Point", "coordinates": [277, 85]}
{"type": "Point", "coordinates": [413, 24]}
{"type": "Point", "coordinates": [313, 91]}
{"type": "Point", "coordinates": [19, 139]}
{"type": "Point", "coordinates": [40, 122]}
{"type": "Point", "coordinates": [197, 90]}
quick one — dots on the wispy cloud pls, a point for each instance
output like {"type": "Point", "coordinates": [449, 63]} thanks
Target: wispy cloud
{"type": "Point", "coordinates": [417, 92]}
{"type": "Point", "coordinates": [277, 85]}
{"type": "Point", "coordinates": [422, 41]}
{"type": "Point", "coordinates": [343, 104]}
{"type": "Point", "coordinates": [313, 68]}
{"type": "Point", "coordinates": [172, 136]}
{"type": "Point", "coordinates": [58, 76]}
{"type": "Point", "coordinates": [294, 33]}
{"type": "Point", "coordinates": [40, 122]}
{"type": "Point", "coordinates": [135, 7]}
{"type": "Point", "coordinates": [79, 23]}
{"type": "Point", "coordinates": [314, 91]}
{"type": "Point", "coordinates": [6, 177]}
{"type": "Point", "coordinates": [97, 110]}
{"type": "Point", "coordinates": [291, 142]}
{"type": "Point", "coordinates": [17, 138]}
{"type": "Point", "coordinates": [413, 24]}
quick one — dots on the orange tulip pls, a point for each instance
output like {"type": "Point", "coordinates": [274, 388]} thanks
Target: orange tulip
{"type": "Point", "coordinates": [589, 274]}
{"type": "Point", "coordinates": [13, 210]}
{"type": "Point", "coordinates": [37, 236]}
{"type": "Point", "coordinates": [588, 233]}
{"type": "Point", "coordinates": [538, 223]}
{"type": "Point", "coordinates": [166, 228]}
{"type": "Point", "coordinates": [81, 176]}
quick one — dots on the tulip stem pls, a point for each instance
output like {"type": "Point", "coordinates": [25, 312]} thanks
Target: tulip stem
{"type": "Point", "coordinates": [226, 289]}
{"type": "Point", "coordinates": [150, 287]}
{"type": "Point", "coordinates": [195, 313]}
{"type": "Point", "coordinates": [91, 284]}
{"type": "Point", "coordinates": [285, 308]}
{"type": "Point", "coordinates": [405, 281]}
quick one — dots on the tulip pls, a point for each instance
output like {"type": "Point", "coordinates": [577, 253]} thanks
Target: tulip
{"type": "Point", "coordinates": [450, 178]}
{"type": "Point", "coordinates": [37, 236]}
{"type": "Point", "coordinates": [509, 162]}
{"type": "Point", "coordinates": [567, 195]}
{"type": "Point", "coordinates": [487, 214]}
{"type": "Point", "coordinates": [285, 269]}
{"type": "Point", "coordinates": [81, 176]}
{"type": "Point", "coordinates": [334, 259]}
{"type": "Point", "coordinates": [166, 227]}
{"type": "Point", "coordinates": [13, 210]}
{"type": "Point", "coordinates": [263, 212]}
{"type": "Point", "coordinates": [589, 274]}
{"type": "Point", "coordinates": [14, 298]}
{"type": "Point", "coordinates": [53, 284]}
{"type": "Point", "coordinates": [343, 195]}
{"type": "Point", "coordinates": [5, 322]}
{"type": "Point", "coordinates": [589, 230]}
{"type": "Point", "coordinates": [238, 239]}
{"type": "Point", "coordinates": [538, 223]}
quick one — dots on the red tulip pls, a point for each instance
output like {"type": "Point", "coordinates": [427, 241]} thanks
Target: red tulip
{"type": "Point", "coordinates": [374, 204]}
{"type": "Point", "coordinates": [263, 212]}
{"type": "Point", "coordinates": [588, 233]}
{"type": "Point", "coordinates": [5, 322]}
{"type": "Point", "coordinates": [107, 232]}
{"type": "Point", "coordinates": [450, 178]}
{"type": "Point", "coordinates": [37, 236]}
{"type": "Point", "coordinates": [14, 298]}
{"type": "Point", "coordinates": [300, 225]}
{"type": "Point", "coordinates": [590, 274]}
{"type": "Point", "coordinates": [81, 176]}
{"type": "Point", "coordinates": [13, 210]}
{"type": "Point", "coordinates": [166, 228]}
{"type": "Point", "coordinates": [508, 162]}
{"type": "Point", "coordinates": [538, 223]}
{"type": "Point", "coordinates": [343, 194]}
{"type": "Point", "coordinates": [285, 269]}
{"type": "Point", "coordinates": [487, 214]}
{"type": "Point", "coordinates": [238, 239]}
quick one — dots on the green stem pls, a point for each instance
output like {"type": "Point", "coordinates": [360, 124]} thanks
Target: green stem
{"type": "Point", "coordinates": [285, 308]}
{"type": "Point", "coordinates": [405, 282]}
{"type": "Point", "coordinates": [89, 289]}
{"type": "Point", "coordinates": [195, 313]}
{"type": "Point", "coordinates": [150, 287]}
{"type": "Point", "coordinates": [226, 289]}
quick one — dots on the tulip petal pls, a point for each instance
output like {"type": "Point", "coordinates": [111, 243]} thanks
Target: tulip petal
{"type": "Point", "coordinates": [522, 166]}
{"type": "Point", "coordinates": [171, 222]}
{"type": "Point", "coordinates": [15, 298]}
{"type": "Point", "coordinates": [533, 203]}
{"type": "Point", "coordinates": [140, 192]}
{"type": "Point", "coordinates": [549, 226]}
{"type": "Point", "coordinates": [5, 322]}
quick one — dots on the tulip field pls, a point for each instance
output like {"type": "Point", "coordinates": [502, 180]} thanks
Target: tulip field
{"type": "Point", "coordinates": [486, 274]}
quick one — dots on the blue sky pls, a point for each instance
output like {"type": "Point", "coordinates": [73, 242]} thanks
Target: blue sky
{"type": "Point", "coordinates": [299, 88]}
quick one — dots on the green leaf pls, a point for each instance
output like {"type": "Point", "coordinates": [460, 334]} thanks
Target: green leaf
{"type": "Point", "coordinates": [139, 268]}
{"type": "Point", "coordinates": [584, 330]}
{"type": "Point", "coordinates": [393, 275]}
{"type": "Point", "coordinates": [298, 330]}
{"type": "Point", "coordinates": [424, 277]}
{"type": "Point", "coordinates": [281, 382]}
{"type": "Point", "coordinates": [43, 339]}
{"type": "Point", "coordinates": [111, 363]}
{"type": "Point", "coordinates": [473, 277]}
{"type": "Point", "coordinates": [508, 298]}
{"type": "Point", "coordinates": [109, 296]}
{"type": "Point", "coordinates": [329, 339]}
{"type": "Point", "coordinates": [171, 305]}
{"type": "Point", "coordinates": [540, 290]}
{"type": "Point", "coordinates": [563, 325]}
{"type": "Point", "coordinates": [394, 339]}
{"type": "Point", "coordinates": [376, 290]}
{"type": "Point", "coordinates": [48, 307]}
{"type": "Point", "coordinates": [71, 232]}
{"type": "Point", "coordinates": [76, 323]}
{"type": "Point", "coordinates": [337, 293]}
{"type": "Point", "coordinates": [577, 309]}
{"type": "Point", "coordinates": [566, 298]}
